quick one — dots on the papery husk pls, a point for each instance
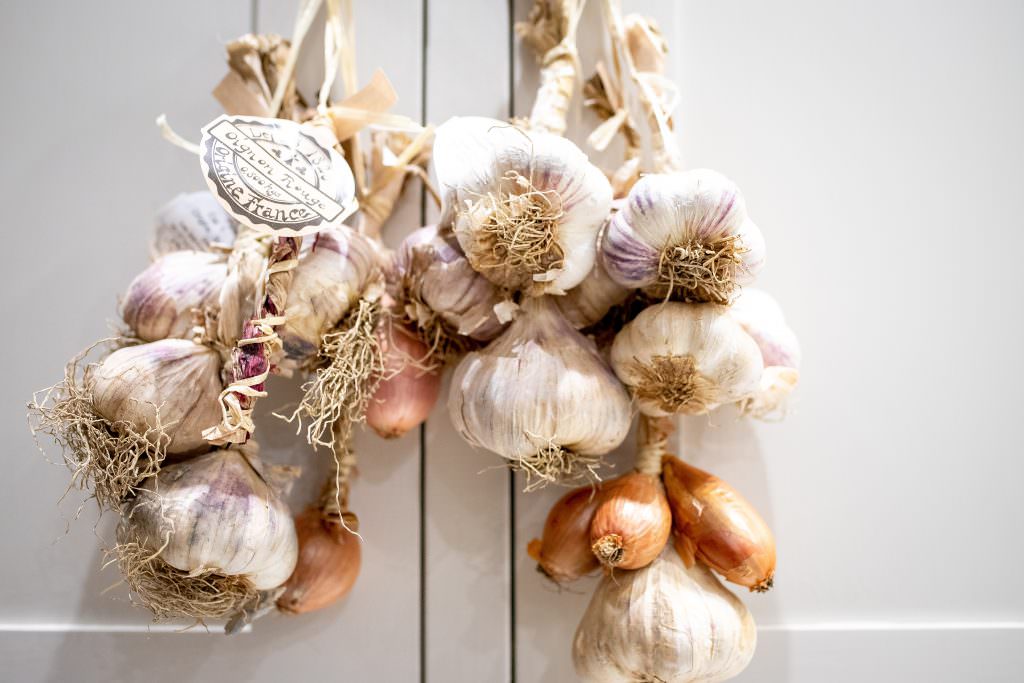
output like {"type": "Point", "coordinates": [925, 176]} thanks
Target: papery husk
{"type": "Point", "coordinates": [541, 396]}
{"type": "Point", "coordinates": [718, 527]}
{"type": "Point", "coordinates": [551, 31]}
{"type": "Point", "coordinates": [664, 623]}
{"type": "Point", "coordinates": [563, 551]}
{"type": "Point", "coordinates": [453, 308]}
{"type": "Point", "coordinates": [632, 522]}
{"type": "Point", "coordinates": [329, 561]}
{"type": "Point", "coordinates": [193, 221]}
{"type": "Point", "coordinates": [257, 62]}
{"type": "Point", "coordinates": [525, 206]}
{"type": "Point", "coordinates": [686, 359]}
{"type": "Point", "coordinates": [109, 459]}
{"type": "Point", "coordinates": [164, 299]}
{"type": "Point", "coordinates": [409, 384]}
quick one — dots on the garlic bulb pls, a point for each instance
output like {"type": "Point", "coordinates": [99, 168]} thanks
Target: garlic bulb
{"type": "Point", "coordinates": [589, 301]}
{"type": "Point", "coordinates": [663, 623]}
{"type": "Point", "coordinates": [760, 315]}
{"type": "Point", "coordinates": [440, 291]}
{"type": "Point", "coordinates": [762, 318]}
{"type": "Point", "coordinates": [407, 390]}
{"type": "Point", "coordinates": [160, 301]}
{"type": "Point", "coordinates": [328, 563]}
{"type": "Point", "coordinates": [632, 523]}
{"type": "Point", "coordinates": [525, 206]}
{"type": "Point", "coordinates": [686, 358]}
{"type": "Point", "coordinates": [172, 383]}
{"type": "Point", "coordinates": [684, 235]}
{"type": "Point", "coordinates": [192, 221]}
{"type": "Point", "coordinates": [540, 396]}
{"type": "Point", "coordinates": [329, 279]}
{"type": "Point", "coordinates": [214, 513]}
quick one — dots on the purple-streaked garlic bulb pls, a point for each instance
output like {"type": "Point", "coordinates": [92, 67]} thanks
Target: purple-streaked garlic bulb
{"type": "Point", "coordinates": [761, 316]}
{"type": "Point", "coordinates": [437, 285]}
{"type": "Point", "coordinates": [191, 222]}
{"type": "Point", "coordinates": [161, 301]}
{"type": "Point", "coordinates": [171, 386]}
{"type": "Point", "coordinates": [685, 236]}
{"type": "Point", "coordinates": [525, 206]}
{"type": "Point", "coordinates": [330, 277]}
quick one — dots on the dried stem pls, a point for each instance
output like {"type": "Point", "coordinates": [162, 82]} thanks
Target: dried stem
{"type": "Point", "coordinates": [652, 443]}
{"type": "Point", "coordinates": [249, 364]}
{"type": "Point", "coordinates": [551, 31]}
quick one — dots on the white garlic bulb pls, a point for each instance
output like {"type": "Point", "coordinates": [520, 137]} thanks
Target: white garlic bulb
{"type": "Point", "coordinates": [525, 206]}
{"type": "Point", "coordinates": [684, 235]}
{"type": "Point", "coordinates": [589, 301]}
{"type": "Point", "coordinates": [172, 382]}
{"type": "Point", "coordinates": [160, 301]}
{"type": "Point", "coordinates": [663, 623]}
{"type": "Point", "coordinates": [215, 513]}
{"type": "Point", "coordinates": [761, 316]}
{"type": "Point", "coordinates": [193, 222]}
{"type": "Point", "coordinates": [686, 358]}
{"type": "Point", "coordinates": [540, 396]}
{"type": "Point", "coordinates": [438, 282]}
{"type": "Point", "coordinates": [330, 277]}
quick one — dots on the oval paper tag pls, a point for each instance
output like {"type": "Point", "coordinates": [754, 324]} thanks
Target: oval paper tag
{"type": "Point", "coordinates": [275, 176]}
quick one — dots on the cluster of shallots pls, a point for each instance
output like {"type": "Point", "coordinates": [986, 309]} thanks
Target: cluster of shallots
{"type": "Point", "coordinates": [568, 299]}
{"type": "Point", "coordinates": [159, 429]}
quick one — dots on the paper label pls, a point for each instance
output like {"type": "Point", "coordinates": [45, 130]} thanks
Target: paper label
{"type": "Point", "coordinates": [275, 176]}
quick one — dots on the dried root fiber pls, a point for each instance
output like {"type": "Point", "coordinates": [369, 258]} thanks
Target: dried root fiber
{"type": "Point", "coordinates": [699, 272]}
{"type": "Point", "coordinates": [351, 366]}
{"type": "Point", "coordinates": [674, 384]}
{"type": "Point", "coordinates": [171, 593]}
{"type": "Point", "coordinates": [109, 459]}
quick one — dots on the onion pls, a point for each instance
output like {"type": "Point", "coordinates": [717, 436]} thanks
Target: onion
{"type": "Point", "coordinates": [717, 526]}
{"type": "Point", "coordinates": [328, 566]}
{"type": "Point", "coordinates": [632, 523]}
{"type": "Point", "coordinates": [563, 551]}
{"type": "Point", "coordinates": [407, 391]}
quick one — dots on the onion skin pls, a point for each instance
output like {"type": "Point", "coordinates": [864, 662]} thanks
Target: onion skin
{"type": "Point", "coordinates": [329, 559]}
{"type": "Point", "coordinates": [407, 393]}
{"type": "Point", "coordinates": [563, 552]}
{"type": "Point", "coordinates": [632, 523]}
{"type": "Point", "coordinates": [716, 525]}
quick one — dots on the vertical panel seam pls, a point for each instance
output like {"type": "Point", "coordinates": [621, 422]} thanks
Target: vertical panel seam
{"type": "Point", "coordinates": [424, 21]}
{"type": "Point", "coordinates": [511, 473]}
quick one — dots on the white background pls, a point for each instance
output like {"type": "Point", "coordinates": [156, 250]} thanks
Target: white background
{"type": "Point", "coordinates": [879, 146]}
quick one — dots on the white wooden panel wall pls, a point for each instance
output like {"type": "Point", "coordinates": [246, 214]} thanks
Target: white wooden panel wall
{"type": "Point", "coordinates": [879, 148]}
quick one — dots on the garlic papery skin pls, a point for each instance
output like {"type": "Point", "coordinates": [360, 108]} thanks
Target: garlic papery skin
{"type": "Point", "coordinates": [441, 293]}
{"type": "Point", "coordinates": [330, 278]}
{"type": "Point", "coordinates": [686, 359]}
{"type": "Point", "coordinates": [760, 315]}
{"type": "Point", "coordinates": [525, 206]}
{"type": "Point", "coordinates": [663, 623]}
{"type": "Point", "coordinates": [541, 396]}
{"type": "Point", "coordinates": [191, 222]}
{"type": "Point", "coordinates": [408, 387]}
{"type": "Point", "coordinates": [214, 513]}
{"type": "Point", "coordinates": [771, 400]}
{"type": "Point", "coordinates": [685, 236]}
{"type": "Point", "coordinates": [161, 301]}
{"type": "Point", "coordinates": [589, 301]}
{"type": "Point", "coordinates": [171, 386]}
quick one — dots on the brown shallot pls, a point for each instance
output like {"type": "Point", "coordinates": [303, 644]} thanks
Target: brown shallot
{"type": "Point", "coordinates": [716, 525]}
